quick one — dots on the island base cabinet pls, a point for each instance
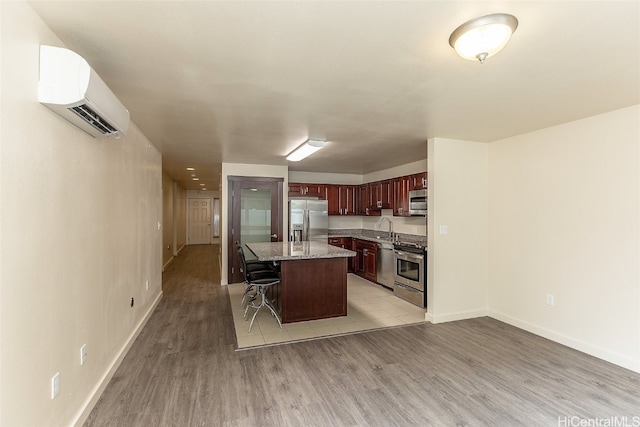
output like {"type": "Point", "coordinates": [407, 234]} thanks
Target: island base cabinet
{"type": "Point", "coordinates": [313, 289]}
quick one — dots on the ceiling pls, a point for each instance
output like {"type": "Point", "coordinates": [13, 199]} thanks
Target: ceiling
{"type": "Point", "coordinates": [246, 82]}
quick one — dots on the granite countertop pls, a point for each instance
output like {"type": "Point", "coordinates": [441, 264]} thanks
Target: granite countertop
{"type": "Point", "coordinates": [377, 235]}
{"type": "Point", "coordinates": [284, 251]}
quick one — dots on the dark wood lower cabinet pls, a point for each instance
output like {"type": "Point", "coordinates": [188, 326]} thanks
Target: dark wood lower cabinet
{"type": "Point", "coordinates": [344, 243]}
{"type": "Point", "coordinates": [366, 259]}
{"type": "Point", "coordinates": [313, 289]}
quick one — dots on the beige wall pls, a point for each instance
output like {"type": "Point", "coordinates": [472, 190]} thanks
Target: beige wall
{"type": "Point", "coordinates": [79, 238]}
{"type": "Point", "coordinates": [565, 220]}
{"type": "Point", "coordinates": [239, 169]}
{"type": "Point", "coordinates": [180, 221]}
{"type": "Point", "coordinates": [167, 218]}
{"type": "Point", "coordinates": [174, 218]}
{"type": "Point", "coordinates": [457, 275]}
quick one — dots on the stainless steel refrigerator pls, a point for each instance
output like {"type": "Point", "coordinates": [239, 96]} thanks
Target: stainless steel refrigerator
{"type": "Point", "coordinates": [308, 220]}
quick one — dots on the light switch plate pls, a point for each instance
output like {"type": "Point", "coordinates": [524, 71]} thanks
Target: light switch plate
{"type": "Point", "coordinates": [443, 229]}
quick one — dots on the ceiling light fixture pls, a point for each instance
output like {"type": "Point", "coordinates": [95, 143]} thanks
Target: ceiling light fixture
{"type": "Point", "coordinates": [483, 37]}
{"type": "Point", "coordinates": [195, 179]}
{"type": "Point", "coordinates": [308, 148]}
{"type": "Point", "coordinates": [191, 169]}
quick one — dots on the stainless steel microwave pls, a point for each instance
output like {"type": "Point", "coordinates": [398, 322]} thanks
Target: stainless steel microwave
{"type": "Point", "coordinates": [418, 202]}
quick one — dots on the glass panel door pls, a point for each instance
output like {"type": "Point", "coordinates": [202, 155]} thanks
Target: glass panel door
{"type": "Point", "coordinates": [255, 217]}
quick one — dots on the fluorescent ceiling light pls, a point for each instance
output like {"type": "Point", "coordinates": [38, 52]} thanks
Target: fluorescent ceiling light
{"type": "Point", "coordinates": [191, 169]}
{"type": "Point", "coordinates": [483, 37]}
{"type": "Point", "coordinates": [306, 149]}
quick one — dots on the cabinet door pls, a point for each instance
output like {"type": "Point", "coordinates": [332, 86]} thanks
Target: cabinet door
{"type": "Point", "coordinates": [363, 199]}
{"type": "Point", "coordinates": [370, 264]}
{"type": "Point", "coordinates": [296, 189]}
{"type": "Point", "coordinates": [349, 207]}
{"type": "Point", "coordinates": [315, 190]}
{"type": "Point", "coordinates": [401, 196]}
{"type": "Point", "coordinates": [386, 194]}
{"type": "Point", "coordinates": [418, 181]}
{"type": "Point", "coordinates": [348, 200]}
{"type": "Point", "coordinates": [359, 261]}
{"type": "Point", "coordinates": [333, 199]}
{"type": "Point", "coordinates": [375, 198]}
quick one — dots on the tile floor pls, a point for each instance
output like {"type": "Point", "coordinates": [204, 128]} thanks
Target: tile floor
{"type": "Point", "coordinates": [369, 306]}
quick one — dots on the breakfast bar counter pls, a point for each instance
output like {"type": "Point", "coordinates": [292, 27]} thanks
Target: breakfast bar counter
{"type": "Point", "coordinates": [313, 279]}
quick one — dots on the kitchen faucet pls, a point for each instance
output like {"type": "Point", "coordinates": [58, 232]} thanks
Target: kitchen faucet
{"type": "Point", "coordinates": [390, 226]}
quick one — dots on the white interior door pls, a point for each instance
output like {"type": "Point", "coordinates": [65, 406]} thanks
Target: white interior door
{"type": "Point", "coordinates": [200, 221]}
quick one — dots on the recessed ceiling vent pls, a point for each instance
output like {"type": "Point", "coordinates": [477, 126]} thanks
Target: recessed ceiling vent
{"type": "Point", "coordinates": [71, 88]}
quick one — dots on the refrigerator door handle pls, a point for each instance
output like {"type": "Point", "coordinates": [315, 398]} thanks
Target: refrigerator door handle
{"type": "Point", "coordinates": [306, 225]}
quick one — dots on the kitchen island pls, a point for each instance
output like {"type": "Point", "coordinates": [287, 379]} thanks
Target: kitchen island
{"type": "Point", "coordinates": [313, 279]}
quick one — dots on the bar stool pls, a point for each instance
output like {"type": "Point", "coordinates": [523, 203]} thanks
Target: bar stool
{"type": "Point", "coordinates": [252, 266]}
{"type": "Point", "coordinates": [261, 280]}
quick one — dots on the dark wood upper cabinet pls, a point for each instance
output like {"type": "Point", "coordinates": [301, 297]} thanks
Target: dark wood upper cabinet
{"type": "Point", "coordinates": [365, 199]}
{"type": "Point", "coordinates": [341, 199]}
{"type": "Point", "coordinates": [298, 189]}
{"type": "Point", "coordinates": [401, 187]}
{"type": "Point", "coordinates": [386, 194]}
{"type": "Point", "coordinates": [332, 193]}
{"type": "Point", "coordinates": [418, 181]}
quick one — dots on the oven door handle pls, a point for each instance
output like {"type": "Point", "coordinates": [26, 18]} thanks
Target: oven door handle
{"type": "Point", "coordinates": [410, 255]}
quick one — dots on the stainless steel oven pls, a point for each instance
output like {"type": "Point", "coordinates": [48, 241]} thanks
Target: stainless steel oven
{"type": "Point", "coordinates": [410, 273]}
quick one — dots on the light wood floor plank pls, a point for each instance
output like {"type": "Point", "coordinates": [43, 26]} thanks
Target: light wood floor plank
{"type": "Point", "coordinates": [183, 370]}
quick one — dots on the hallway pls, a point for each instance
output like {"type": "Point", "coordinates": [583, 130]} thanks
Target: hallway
{"type": "Point", "coordinates": [183, 370]}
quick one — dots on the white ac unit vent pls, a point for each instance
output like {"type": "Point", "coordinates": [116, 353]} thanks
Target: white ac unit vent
{"type": "Point", "coordinates": [71, 88]}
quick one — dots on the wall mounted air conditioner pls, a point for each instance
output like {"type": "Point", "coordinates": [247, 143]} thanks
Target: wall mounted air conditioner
{"type": "Point", "coordinates": [71, 88]}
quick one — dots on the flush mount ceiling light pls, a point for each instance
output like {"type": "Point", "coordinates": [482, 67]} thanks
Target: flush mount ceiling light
{"type": "Point", "coordinates": [306, 149]}
{"type": "Point", "coordinates": [483, 37]}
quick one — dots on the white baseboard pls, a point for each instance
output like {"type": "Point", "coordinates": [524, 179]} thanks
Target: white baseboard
{"type": "Point", "coordinates": [167, 263]}
{"type": "Point", "coordinates": [584, 347]}
{"type": "Point", "coordinates": [428, 317]}
{"type": "Point", "coordinates": [97, 391]}
{"type": "Point", "coordinates": [461, 315]}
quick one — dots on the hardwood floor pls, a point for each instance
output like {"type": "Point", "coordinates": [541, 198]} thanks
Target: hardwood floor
{"type": "Point", "coordinates": [183, 371]}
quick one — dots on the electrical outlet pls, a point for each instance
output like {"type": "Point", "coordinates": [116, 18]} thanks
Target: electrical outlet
{"type": "Point", "coordinates": [55, 385]}
{"type": "Point", "coordinates": [146, 285]}
{"type": "Point", "coordinates": [444, 229]}
{"type": "Point", "coordinates": [550, 299]}
{"type": "Point", "coordinates": [83, 354]}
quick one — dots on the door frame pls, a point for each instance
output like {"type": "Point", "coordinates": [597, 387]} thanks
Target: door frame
{"type": "Point", "coordinates": [237, 183]}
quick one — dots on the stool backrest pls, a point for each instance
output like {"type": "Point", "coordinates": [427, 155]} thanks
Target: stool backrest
{"type": "Point", "coordinates": [243, 261]}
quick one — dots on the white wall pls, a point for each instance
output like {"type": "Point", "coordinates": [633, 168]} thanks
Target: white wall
{"type": "Point", "coordinates": [565, 220]}
{"type": "Point", "coordinates": [402, 170]}
{"type": "Point", "coordinates": [240, 169]}
{"type": "Point", "coordinates": [324, 178]}
{"type": "Point", "coordinates": [457, 275]}
{"type": "Point", "coordinates": [79, 238]}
